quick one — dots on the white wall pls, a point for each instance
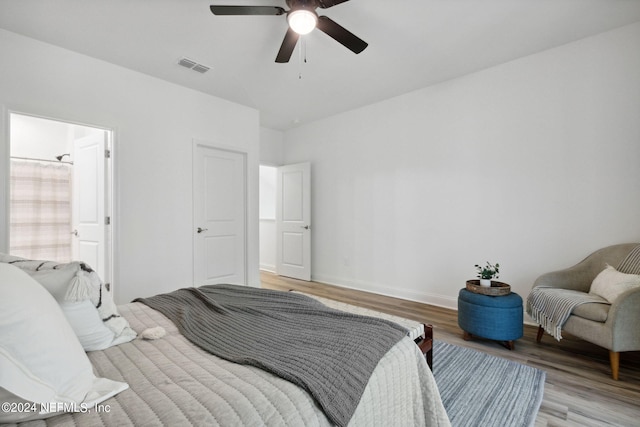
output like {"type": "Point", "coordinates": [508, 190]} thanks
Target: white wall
{"type": "Point", "coordinates": [268, 244]}
{"type": "Point", "coordinates": [271, 154]}
{"type": "Point", "coordinates": [39, 138]}
{"type": "Point", "coordinates": [34, 137]}
{"type": "Point", "coordinates": [271, 147]}
{"type": "Point", "coordinates": [155, 123]}
{"type": "Point", "coordinates": [533, 164]}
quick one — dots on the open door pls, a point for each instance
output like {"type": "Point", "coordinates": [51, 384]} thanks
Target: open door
{"type": "Point", "coordinates": [293, 221]}
{"type": "Point", "coordinates": [89, 202]}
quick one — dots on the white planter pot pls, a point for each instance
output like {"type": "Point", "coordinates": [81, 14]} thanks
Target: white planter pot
{"type": "Point", "coordinates": [485, 282]}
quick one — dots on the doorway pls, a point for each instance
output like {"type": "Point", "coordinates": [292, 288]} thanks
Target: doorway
{"type": "Point", "coordinates": [59, 192]}
{"type": "Point", "coordinates": [285, 220]}
{"type": "Point", "coordinates": [268, 183]}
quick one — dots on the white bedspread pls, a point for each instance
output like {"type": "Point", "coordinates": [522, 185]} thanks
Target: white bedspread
{"type": "Point", "coordinates": [174, 383]}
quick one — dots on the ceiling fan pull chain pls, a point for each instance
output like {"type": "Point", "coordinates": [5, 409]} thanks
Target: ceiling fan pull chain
{"type": "Point", "coordinates": [302, 56]}
{"type": "Point", "coordinates": [304, 45]}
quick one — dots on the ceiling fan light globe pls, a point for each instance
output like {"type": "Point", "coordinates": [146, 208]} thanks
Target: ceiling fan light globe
{"type": "Point", "coordinates": [302, 21]}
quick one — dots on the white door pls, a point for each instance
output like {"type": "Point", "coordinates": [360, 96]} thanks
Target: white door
{"type": "Point", "coordinates": [89, 207]}
{"type": "Point", "coordinates": [219, 183]}
{"type": "Point", "coordinates": [293, 221]}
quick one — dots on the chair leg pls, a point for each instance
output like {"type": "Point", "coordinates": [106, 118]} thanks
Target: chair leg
{"type": "Point", "coordinates": [614, 358]}
{"type": "Point", "coordinates": [540, 334]}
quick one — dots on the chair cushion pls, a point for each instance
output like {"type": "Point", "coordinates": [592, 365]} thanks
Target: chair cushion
{"type": "Point", "coordinates": [593, 311]}
{"type": "Point", "coordinates": [610, 283]}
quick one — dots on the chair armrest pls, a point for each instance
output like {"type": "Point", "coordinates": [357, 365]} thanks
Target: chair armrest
{"type": "Point", "coordinates": [577, 278]}
{"type": "Point", "coordinates": [623, 319]}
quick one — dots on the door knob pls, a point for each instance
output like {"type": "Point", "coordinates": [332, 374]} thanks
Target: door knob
{"type": "Point", "coordinates": [202, 230]}
{"type": "Point", "coordinates": [306, 227]}
{"type": "Point", "coordinates": [75, 233]}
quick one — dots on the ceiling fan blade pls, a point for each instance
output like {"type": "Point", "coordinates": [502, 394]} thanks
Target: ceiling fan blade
{"type": "Point", "coordinates": [288, 44]}
{"type": "Point", "coordinates": [324, 4]}
{"type": "Point", "coordinates": [247, 10]}
{"type": "Point", "coordinates": [341, 35]}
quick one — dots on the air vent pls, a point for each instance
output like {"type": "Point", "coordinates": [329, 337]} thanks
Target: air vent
{"type": "Point", "coordinates": [188, 63]}
{"type": "Point", "coordinates": [200, 68]}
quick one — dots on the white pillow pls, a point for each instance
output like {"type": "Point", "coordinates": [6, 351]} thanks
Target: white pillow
{"type": "Point", "coordinates": [610, 283]}
{"type": "Point", "coordinates": [56, 281]}
{"type": "Point", "coordinates": [87, 325]}
{"type": "Point", "coordinates": [41, 359]}
{"type": "Point", "coordinates": [58, 278]}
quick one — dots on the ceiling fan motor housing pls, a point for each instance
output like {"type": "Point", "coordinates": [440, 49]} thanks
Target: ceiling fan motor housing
{"type": "Point", "coordinates": [302, 17]}
{"type": "Point", "coordinates": [302, 4]}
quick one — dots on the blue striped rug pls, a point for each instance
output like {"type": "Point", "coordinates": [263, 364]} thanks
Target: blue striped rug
{"type": "Point", "coordinates": [478, 389]}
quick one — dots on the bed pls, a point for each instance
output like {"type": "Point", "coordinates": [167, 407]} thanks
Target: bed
{"type": "Point", "coordinates": [420, 333]}
{"type": "Point", "coordinates": [173, 382]}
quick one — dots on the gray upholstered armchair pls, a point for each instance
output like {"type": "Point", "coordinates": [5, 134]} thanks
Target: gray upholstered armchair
{"type": "Point", "coordinates": [612, 326]}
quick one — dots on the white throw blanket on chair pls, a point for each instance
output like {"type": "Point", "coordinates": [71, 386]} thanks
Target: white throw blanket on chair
{"type": "Point", "coordinates": [551, 307]}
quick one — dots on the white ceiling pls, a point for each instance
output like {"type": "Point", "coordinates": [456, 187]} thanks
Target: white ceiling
{"type": "Point", "coordinates": [412, 44]}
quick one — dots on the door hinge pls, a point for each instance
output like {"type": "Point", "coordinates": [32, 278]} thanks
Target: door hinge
{"type": "Point", "coordinates": [107, 154]}
{"type": "Point", "coordinates": [107, 220]}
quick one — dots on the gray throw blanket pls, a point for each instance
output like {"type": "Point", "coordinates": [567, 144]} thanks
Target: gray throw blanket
{"type": "Point", "coordinates": [329, 353]}
{"type": "Point", "coordinates": [551, 307]}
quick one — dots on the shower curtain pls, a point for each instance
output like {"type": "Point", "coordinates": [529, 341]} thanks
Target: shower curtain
{"type": "Point", "coordinates": [40, 212]}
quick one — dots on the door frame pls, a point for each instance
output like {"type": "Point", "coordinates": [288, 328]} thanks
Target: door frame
{"type": "Point", "coordinates": [245, 156]}
{"type": "Point", "coordinates": [110, 182]}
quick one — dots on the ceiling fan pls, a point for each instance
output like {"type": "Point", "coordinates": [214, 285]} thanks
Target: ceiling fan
{"type": "Point", "coordinates": [302, 19]}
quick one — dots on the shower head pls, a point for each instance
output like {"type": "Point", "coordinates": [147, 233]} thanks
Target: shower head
{"type": "Point", "coordinates": [61, 156]}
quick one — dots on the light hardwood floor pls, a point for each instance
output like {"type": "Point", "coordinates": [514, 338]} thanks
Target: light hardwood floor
{"type": "Point", "coordinates": [579, 390]}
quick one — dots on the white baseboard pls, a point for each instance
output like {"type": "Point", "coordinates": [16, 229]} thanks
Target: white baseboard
{"type": "Point", "coordinates": [423, 297]}
{"type": "Point", "coordinates": [268, 267]}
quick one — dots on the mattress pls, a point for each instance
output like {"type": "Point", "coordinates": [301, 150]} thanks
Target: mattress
{"type": "Point", "coordinates": [173, 382]}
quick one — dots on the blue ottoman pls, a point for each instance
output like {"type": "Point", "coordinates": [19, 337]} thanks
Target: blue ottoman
{"type": "Point", "coordinates": [494, 317]}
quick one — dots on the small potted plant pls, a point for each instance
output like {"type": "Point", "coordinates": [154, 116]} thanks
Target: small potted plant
{"type": "Point", "coordinates": [488, 272]}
